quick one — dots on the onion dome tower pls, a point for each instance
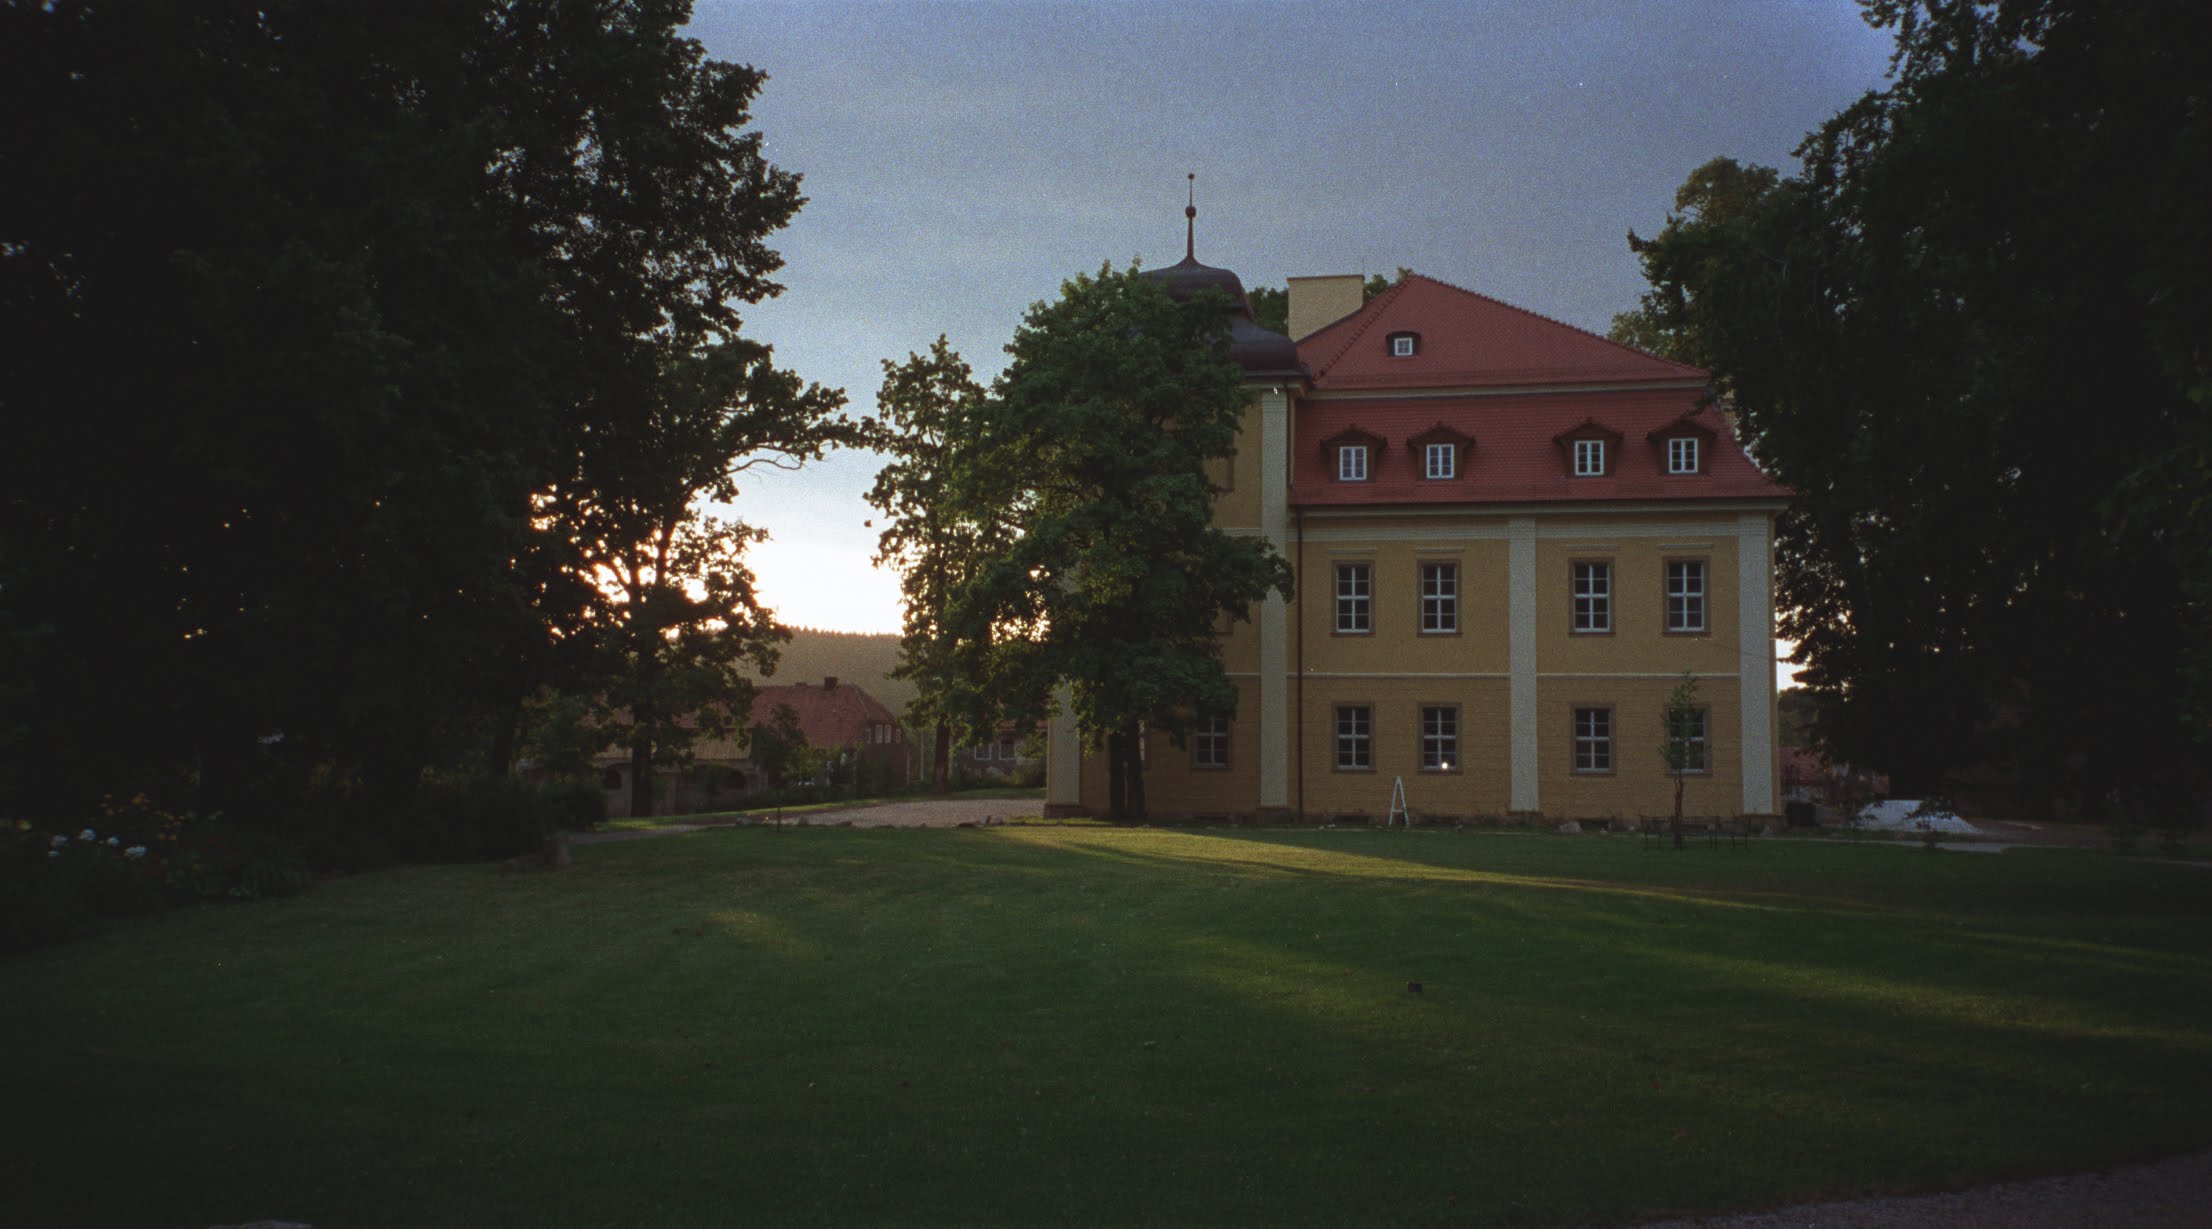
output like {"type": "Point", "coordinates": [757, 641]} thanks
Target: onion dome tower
{"type": "Point", "coordinates": [1263, 354]}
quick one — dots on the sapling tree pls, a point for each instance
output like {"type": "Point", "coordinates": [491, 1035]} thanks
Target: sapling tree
{"type": "Point", "coordinates": [1683, 751]}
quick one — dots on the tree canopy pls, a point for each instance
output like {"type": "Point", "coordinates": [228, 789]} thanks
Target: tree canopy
{"type": "Point", "coordinates": [352, 345]}
{"type": "Point", "coordinates": [1084, 475]}
{"type": "Point", "coordinates": [1970, 332]}
{"type": "Point", "coordinates": [929, 404]}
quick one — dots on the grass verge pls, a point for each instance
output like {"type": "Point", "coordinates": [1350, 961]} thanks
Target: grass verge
{"type": "Point", "coordinates": [1091, 1025]}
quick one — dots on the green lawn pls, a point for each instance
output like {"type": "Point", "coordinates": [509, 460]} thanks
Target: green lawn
{"type": "Point", "coordinates": [1083, 1025]}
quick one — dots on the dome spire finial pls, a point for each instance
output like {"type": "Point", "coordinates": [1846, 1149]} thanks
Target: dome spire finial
{"type": "Point", "coordinates": [1190, 221]}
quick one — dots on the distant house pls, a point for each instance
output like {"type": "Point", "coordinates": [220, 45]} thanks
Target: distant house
{"type": "Point", "coordinates": [1000, 759]}
{"type": "Point", "coordinates": [844, 716]}
{"type": "Point", "coordinates": [717, 778]}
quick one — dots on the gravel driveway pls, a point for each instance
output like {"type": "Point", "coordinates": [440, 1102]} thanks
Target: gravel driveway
{"type": "Point", "coordinates": [2171, 1194]}
{"type": "Point", "coordinates": [929, 813]}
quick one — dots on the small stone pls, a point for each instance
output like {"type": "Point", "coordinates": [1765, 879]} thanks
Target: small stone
{"type": "Point", "coordinates": [1570, 828]}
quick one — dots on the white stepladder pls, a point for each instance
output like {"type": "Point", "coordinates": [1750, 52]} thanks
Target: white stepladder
{"type": "Point", "coordinates": [1398, 812]}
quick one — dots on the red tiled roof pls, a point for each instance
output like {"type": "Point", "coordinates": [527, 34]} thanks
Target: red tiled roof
{"type": "Point", "coordinates": [829, 717]}
{"type": "Point", "coordinates": [1469, 341]}
{"type": "Point", "coordinates": [1515, 458]}
{"type": "Point", "coordinates": [1527, 381]}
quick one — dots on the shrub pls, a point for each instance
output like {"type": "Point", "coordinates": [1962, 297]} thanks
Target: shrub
{"type": "Point", "coordinates": [484, 818]}
{"type": "Point", "coordinates": [134, 858]}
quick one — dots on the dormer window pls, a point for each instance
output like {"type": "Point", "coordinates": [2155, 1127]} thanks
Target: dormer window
{"type": "Point", "coordinates": [1684, 444]}
{"type": "Point", "coordinates": [1353, 452]}
{"type": "Point", "coordinates": [1404, 345]}
{"type": "Point", "coordinates": [1438, 450]}
{"type": "Point", "coordinates": [1589, 447]}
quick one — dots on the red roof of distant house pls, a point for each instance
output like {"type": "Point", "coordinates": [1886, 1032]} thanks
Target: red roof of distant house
{"type": "Point", "coordinates": [1517, 383]}
{"type": "Point", "coordinates": [831, 714]}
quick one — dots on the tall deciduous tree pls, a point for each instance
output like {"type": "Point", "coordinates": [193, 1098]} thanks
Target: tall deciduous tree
{"type": "Point", "coordinates": [676, 616]}
{"type": "Point", "coordinates": [1111, 578]}
{"type": "Point", "coordinates": [1969, 332]}
{"type": "Point", "coordinates": [317, 313]}
{"type": "Point", "coordinates": [929, 405]}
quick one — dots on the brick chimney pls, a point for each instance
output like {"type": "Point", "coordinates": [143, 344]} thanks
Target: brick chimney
{"type": "Point", "coordinates": [829, 683]}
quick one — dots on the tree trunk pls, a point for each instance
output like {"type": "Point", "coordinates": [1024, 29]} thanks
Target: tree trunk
{"type": "Point", "coordinates": [1137, 810]}
{"type": "Point", "coordinates": [506, 725]}
{"type": "Point", "coordinates": [1678, 810]}
{"type": "Point", "coordinates": [1129, 775]}
{"type": "Point", "coordinates": [641, 776]}
{"type": "Point", "coordinates": [940, 759]}
{"type": "Point", "coordinates": [1117, 783]}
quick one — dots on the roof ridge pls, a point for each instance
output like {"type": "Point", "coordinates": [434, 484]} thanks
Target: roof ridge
{"type": "Point", "coordinates": [1515, 307]}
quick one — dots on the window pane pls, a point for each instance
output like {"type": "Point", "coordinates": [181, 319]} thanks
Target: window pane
{"type": "Point", "coordinates": [1589, 458]}
{"type": "Point", "coordinates": [1686, 595]}
{"type": "Point", "coordinates": [1439, 738]}
{"type": "Point", "coordinates": [1442, 460]}
{"type": "Point", "coordinates": [1351, 463]}
{"type": "Point", "coordinates": [1593, 740]}
{"type": "Point", "coordinates": [1593, 597]}
{"type": "Point", "coordinates": [1354, 597]}
{"type": "Point", "coordinates": [1353, 737]}
{"type": "Point", "coordinates": [1439, 597]}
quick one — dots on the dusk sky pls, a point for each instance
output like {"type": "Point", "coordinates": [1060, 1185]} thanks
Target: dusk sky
{"type": "Point", "coordinates": [962, 159]}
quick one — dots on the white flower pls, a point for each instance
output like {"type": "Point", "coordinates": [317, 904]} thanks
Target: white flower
{"type": "Point", "coordinates": [88, 835]}
{"type": "Point", "coordinates": [53, 853]}
{"type": "Point", "coordinates": [115, 842]}
{"type": "Point", "coordinates": [58, 841]}
{"type": "Point", "coordinates": [135, 851]}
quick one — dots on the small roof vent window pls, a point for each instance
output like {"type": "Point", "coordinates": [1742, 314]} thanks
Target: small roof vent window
{"type": "Point", "coordinates": [1404, 345]}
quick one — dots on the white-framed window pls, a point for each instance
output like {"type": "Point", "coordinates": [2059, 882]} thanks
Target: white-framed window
{"type": "Point", "coordinates": [1440, 461]}
{"type": "Point", "coordinates": [1685, 595]}
{"type": "Point", "coordinates": [1439, 597]}
{"type": "Point", "coordinates": [1355, 598]}
{"type": "Point", "coordinates": [1006, 749]}
{"type": "Point", "coordinates": [1687, 730]}
{"type": "Point", "coordinates": [1682, 455]}
{"type": "Point", "coordinates": [1403, 345]}
{"type": "Point", "coordinates": [1593, 597]}
{"type": "Point", "coordinates": [1593, 740]}
{"type": "Point", "coordinates": [1355, 737]}
{"type": "Point", "coordinates": [1351, 463]}
{"type": "Point", "coordinates": [1439, 737]}
{"type": "Point", "coordinates": [1209, 743]}
{"type": "Point", "coordinates": [1589, 458]}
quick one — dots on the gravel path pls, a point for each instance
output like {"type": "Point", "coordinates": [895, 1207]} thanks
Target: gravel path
{"type": "Point", "coordinates": [922, 813]}
{"type": "Point", "coordinates": [2171, 1194]}
{"type": "Point", "coordinates": [931, 813]}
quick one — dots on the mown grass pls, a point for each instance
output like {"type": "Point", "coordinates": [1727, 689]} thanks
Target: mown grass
{"type": "Point", "coordinates": [1042, 1025]}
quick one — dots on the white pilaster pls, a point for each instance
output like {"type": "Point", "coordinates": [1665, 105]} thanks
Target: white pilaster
{"type": "Point", "coordinates": [1521, 660]}
{"type": "Point", "coordinates": [1755, 665]}
{"type": "Point", "coordinates": [1063, 754]}
{"type": "Point", "coordinates": [1274, 622]}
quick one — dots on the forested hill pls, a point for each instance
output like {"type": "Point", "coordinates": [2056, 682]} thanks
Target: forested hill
{"type": "Point", "coordinates": [852, 657]}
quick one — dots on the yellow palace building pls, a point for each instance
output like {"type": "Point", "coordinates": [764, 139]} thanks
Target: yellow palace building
{"type": "Point", "coordinates": [1511, 538]}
